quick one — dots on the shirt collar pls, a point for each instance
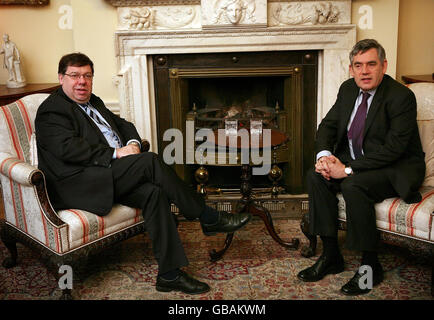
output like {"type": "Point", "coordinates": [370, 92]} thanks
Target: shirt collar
{"type": "Point", "coordinates": [371, 92]}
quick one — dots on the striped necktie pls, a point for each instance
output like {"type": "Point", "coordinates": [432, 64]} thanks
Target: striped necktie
{"type": "Point", "coordinates": [358, 126]}
{"type": "Point", "coordinates": [108, 132]}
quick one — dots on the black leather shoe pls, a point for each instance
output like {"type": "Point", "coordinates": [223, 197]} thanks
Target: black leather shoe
{"type": "Point", "coordinates": [227, 223]}
{"type": "Point", "coordinates": [183, 283]}
{"type": "Point", "coordinates": [353, 288]}
{"type": "Point", "coordinates": [323, 266]}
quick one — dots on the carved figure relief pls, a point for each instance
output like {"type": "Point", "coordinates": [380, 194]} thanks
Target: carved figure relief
{"type": "Point", "coordinates": [144, 18]}
{"type": "Point", "coordinates": [301, 13]}
{"type": "Point", "coordinates": [138, 18]}
{"type": "Point", "coordinates": [324, 12]}
{"type": "Point", "coordinates": [234, 11]}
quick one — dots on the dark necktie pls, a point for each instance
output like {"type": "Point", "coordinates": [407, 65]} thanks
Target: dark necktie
{"type": "Point", "coordinates": [92, 114]}
{"type": "Point", "coordinates": [358, 126]}
{"type": "Point", "coordinates": [112, 135]}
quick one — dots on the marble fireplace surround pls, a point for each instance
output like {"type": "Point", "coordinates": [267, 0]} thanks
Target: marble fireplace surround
{"type": "Point", "coordinates": [149, 27]}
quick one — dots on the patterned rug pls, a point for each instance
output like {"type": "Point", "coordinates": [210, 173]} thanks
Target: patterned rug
{"type": "Point", "coordinates": [254, 268]}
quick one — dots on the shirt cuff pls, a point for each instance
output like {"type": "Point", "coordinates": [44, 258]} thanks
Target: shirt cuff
{"type": "Point", "coordinates": [324, 153]}
{"type": "Point", "coordinates": [136, 141]}
{"type": "Point", "coordinates": [114, 154]}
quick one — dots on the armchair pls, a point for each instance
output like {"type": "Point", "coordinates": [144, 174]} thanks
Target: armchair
{"type": "Point", "coordinates": [409, 225]}
{"type": "Point", "coordinates": [66, 237]}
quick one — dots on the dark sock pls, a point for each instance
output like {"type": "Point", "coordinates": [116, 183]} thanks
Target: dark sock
{"type": "Point", "coordinates": [170, 275]}
{"type": "Point", "coordinates": [370, 258]}
{"type": "Point", "coordinates": [209, 215]}
{"type": "Point", "coordinates": [330, 246]}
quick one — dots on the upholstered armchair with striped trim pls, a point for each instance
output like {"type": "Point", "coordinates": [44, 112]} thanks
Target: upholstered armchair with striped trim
{"type": "Point", "coordinates": [409, 225]}
{"type": "Point", "coordinates": [66, 237]}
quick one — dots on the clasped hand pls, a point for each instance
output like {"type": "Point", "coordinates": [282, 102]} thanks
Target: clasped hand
{"type": "Point", "coordinates": [127, 150]}
{"type": "Point", "coordinates": [330, 167]}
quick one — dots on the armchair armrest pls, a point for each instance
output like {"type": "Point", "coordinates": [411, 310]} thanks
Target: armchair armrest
{"type": "Point", "coordinates": [17, 169]}
{"type": "Point", "coordinates": [29, 176]}
{"type": "Point", "coordinates": [145, 145]}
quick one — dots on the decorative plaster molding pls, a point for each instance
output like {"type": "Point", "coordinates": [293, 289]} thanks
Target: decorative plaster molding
{"type": "Point", "coordinates": [163, 17]}
{"type": "Point", "coordinates": [113, 106]}
{"type": "Point", "coordinates": [123, 83]}
{"type": "Point", "coordinates": [233, 13]}
{"type": "Point", "coordinates": [131, 43]}
{"type": "Point", "coordinates": [308, 12]}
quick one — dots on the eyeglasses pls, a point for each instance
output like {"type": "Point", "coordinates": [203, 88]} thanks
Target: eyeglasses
{"type": "Point", "coordinates": [76, 76]}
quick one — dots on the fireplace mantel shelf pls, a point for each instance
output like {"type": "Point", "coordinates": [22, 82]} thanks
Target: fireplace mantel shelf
{"type": "Point", "coordinates": [233, 39]}
{"type": "Point", "coordinates": [242, 30]}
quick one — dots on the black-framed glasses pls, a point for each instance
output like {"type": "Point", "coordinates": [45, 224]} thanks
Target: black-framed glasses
{"type": "Point", "coordinates": [76, 76]}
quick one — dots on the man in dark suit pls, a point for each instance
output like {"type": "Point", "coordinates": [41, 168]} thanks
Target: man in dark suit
{"type": "Point", "coordinates": [91, 159]}
{"type": "Point", "coordinates": [368, 148]}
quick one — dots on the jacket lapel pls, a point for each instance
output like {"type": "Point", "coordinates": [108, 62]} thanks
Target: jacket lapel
{"type": "Point", "coordinates": [375, 105]}
{"type": "Point", "coordinates": [349, 101]}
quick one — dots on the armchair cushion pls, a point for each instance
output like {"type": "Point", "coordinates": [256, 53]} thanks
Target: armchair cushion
{"type": "Point", "coordinates": [396, 216]}
{"type": "Point", "coordinates": [85, 227]}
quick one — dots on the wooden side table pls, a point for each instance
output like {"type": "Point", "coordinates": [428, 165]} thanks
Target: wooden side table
{"type": "Point", "coordinates": [247, 202]}
{"type": "Point", "coordinates": [418, 78]}
{"type": "Point", "coordinates": [8, 95]}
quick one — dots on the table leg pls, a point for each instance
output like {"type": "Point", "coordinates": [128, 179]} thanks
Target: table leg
{"type": "Point", "coordinates": [217, 255]}
{"type": "Point", "coordinates": [264, 214]}
{"type": "Point", "coordinates": [247, 204]}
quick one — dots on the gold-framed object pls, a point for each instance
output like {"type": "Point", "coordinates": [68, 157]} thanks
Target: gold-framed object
{"type": "Point", "coordinates": [25, 2]}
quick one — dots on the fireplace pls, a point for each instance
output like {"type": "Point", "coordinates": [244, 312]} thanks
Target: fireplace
{"type": "Point", "coordinates": [155, 40]}
{"type": "Point", "coordinates": [278, 87]}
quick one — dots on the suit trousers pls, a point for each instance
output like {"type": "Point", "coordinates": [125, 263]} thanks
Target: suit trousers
{"type": "Point", "coordinates": [360, 191]}
{"type": "Point", "coordinates": [144, 181]}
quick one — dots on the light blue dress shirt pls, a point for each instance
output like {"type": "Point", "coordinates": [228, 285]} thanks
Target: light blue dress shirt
{"type": "Point", "coordinates": [109, 134]}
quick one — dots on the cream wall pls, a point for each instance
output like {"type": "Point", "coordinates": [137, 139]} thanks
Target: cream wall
{"type": "Point", "coordinates": [384, 27]}
{"type": "Point", "coordinates": [403, 27]}
{"type": "Point", "coordinates": [94, 25]}
{"type": "Point", "coordinates": [41, 41]}
{"type": "Point", "coordinates": [416, 38]}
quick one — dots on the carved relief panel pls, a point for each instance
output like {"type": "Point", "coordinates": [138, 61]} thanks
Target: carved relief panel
{"type": "Point", "coordinates": [188, 14]}
{"type": "Point", "coordinates": [234, 13]}
{"type": "Point", "coordinates": [308, 13]}
{"type": "Point", "coordinates": [159, 17]}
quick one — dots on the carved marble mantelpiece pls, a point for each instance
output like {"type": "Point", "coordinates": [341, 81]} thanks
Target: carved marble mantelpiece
{"type": "Point", "coordinates": [159, 18]}
{"type": "Point", "coordinates": [309, 13]}
{"type": "Point", "coordinates": [149, 27]}
{"type": "Point", "coordinates": [230, 13]}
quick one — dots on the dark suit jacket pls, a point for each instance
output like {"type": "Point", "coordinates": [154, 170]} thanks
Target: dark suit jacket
{"type": "Point", "coordinates": [74, 155]}
{"type": "Point", "coordinates": [391, 137]}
